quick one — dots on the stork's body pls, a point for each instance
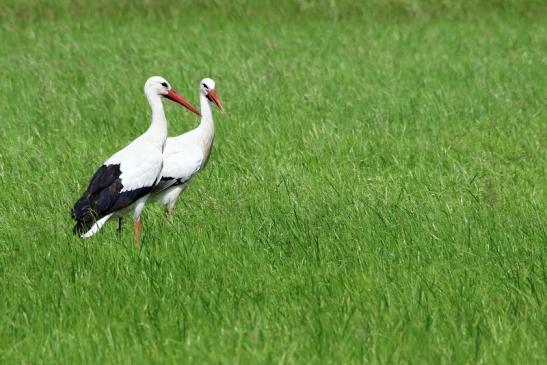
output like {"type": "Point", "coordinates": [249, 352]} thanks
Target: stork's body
{"type": "Point", "coordinates": [124, 182]}
{"type": "Point", "coordinates": [185, 155]}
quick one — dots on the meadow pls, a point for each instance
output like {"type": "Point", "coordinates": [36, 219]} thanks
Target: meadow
{"type": "Point", "coordinates": [376, 192]}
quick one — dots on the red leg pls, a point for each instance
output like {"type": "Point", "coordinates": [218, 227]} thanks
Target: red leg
{"type": "Point", "coordinates": [137, 230]}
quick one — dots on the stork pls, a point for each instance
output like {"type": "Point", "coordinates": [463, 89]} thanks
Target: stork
{"type": "Point", "coordinates": [124, 182]}
{"type": "Point", "coordinates": [185, 155]}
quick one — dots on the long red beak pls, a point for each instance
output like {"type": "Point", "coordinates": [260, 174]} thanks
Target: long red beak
{"type": "Point", "coordinates": [173, 95]}
{"type": "Point", "coordinates": [212, 95]}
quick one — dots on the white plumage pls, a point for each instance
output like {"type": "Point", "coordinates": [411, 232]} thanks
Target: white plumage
{"type": "Point", "coordinates": [185, 155]}
{"type": "Point", "coordinates": [124, 182]}
{"type": "Point", "coordinates": [140, 163]}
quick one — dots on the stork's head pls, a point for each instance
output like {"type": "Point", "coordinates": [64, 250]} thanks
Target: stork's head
{"type": "Point", "coordinates": [207, 89]}
{"type": "Point", "coordinates": [157, 85]}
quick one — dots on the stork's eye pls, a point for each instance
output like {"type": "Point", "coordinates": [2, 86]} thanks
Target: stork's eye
{"type": "Point", "coordinates": [164, 84]}
{"type": "Point", "coordinates": [205, 86]}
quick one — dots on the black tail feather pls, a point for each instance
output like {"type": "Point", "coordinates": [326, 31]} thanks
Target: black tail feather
{"type": "Point", "coordinates": [84, 215]}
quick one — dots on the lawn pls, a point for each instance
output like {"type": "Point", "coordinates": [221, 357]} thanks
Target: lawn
{"type": "Point", "coordinates": [376, 192]}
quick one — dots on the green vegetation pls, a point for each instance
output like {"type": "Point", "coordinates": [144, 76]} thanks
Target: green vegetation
{"type": "Point", "coordinates": [376, 192]}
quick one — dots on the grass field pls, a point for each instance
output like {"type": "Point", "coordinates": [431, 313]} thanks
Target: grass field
{"type": "Point", "coordinates": [376, 192]}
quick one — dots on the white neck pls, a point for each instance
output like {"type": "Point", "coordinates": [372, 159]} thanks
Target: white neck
{"type": "Point", "coordinates": [206, 127]}
{"type": "Point", "coordinates": [157, 132]}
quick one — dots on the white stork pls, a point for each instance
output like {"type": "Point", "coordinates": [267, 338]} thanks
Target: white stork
{"type": "Point", "coordinates": [124, 182]}
{"type": "Point", "coordinates": [185, 155]}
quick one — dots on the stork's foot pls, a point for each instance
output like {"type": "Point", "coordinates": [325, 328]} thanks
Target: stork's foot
{"type": "Point", "coordinates": [169, 214]}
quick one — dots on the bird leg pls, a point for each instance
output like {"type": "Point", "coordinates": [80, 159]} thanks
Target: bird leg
{"type": "Point", "coordinates": [170, 211]}
{"type": "Point", "coordinates": [120, 225]}
{"type": "Point", "coordinates": [137, 230]}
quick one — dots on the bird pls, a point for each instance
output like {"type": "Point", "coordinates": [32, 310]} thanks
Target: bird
{"type": "Point", "coordinates": [124, 182]}
{"type": "Point", "coordinates": [187, 154]}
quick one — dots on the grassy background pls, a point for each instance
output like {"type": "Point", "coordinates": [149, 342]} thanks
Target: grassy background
{"type": "Point", "coordinates": [376, 192]}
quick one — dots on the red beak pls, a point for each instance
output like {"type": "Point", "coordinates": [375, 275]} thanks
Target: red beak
{"type": "Point", "coordinates": [212, 95]}
{"type": "Point", "coordinates": [173, 95]}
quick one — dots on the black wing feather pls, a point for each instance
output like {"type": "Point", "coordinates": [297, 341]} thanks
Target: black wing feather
{"type": "Point", "coordinates": [102, 197]}
{"type": "Point", "coordinates": [103, 177]}
{"type": "Point", "coordinates": [166, 183]}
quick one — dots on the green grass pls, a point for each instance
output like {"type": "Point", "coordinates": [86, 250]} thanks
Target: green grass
{"type": "Point", "coordinates": [376, 192]}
